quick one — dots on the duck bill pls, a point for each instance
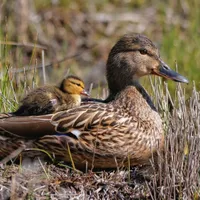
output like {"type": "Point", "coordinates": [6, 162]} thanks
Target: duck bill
{"type": "Point", "coordinates": [84, 93]}
{"type": "Point", "coordinates": [165, 71]}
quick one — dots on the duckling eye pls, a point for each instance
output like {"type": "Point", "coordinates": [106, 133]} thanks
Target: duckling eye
{"type": "Point", "coordinates": [143, 51]}
{"type": "Point", "coordinates": [79, 85]}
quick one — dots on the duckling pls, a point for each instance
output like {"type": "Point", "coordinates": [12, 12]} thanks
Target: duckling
{"type": "Point", "coordinates": [127, 129]}
{"type": "Point", "coordinates": [51, 99]}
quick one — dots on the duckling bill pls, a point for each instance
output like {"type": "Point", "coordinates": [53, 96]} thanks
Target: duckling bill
{"type": "Point", "coordinates": [51, 99]}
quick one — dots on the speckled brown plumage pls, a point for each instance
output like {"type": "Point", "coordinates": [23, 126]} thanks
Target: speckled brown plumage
{"type": "Point", "coordinates": [51, 99]}
{"type": "Point", "coordinates": [107, 135]}
{"type": "Point", "coordinates": [113, 131]}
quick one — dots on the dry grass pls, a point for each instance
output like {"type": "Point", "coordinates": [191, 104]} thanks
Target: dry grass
{"type": "Point", "coordinates": [178, 177]}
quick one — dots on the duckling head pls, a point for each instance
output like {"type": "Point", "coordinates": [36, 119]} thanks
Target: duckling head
{"type": "Point", "coordinates": [73, 85]}
{"type": "Point", "coordinates": [132, 57]}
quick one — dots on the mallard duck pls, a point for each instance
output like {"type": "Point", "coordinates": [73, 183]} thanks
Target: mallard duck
{"type": "Point", "coordinates": [127, 129]}
{"type": "Point", "coordinates": [50, 99]}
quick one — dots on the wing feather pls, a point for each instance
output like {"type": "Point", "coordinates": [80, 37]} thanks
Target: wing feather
{"type": "Point", "coordinates": [86, 117]}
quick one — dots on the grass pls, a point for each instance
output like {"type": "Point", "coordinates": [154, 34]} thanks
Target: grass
{"type": "Point", "coordinates": [176, 31]}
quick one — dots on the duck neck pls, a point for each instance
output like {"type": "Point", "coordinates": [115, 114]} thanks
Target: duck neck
{"type": "Point", "coordinates": [145, 95]}
{"type": "Point", "coordinates": [140, 89]}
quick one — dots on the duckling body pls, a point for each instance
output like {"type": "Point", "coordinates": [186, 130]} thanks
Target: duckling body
{"type": "Point", "coordinates": [125, 130]}
{"type": "Point", "coordinates": [51, 99]}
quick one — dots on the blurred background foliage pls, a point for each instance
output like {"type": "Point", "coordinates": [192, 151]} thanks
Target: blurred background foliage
{"type": "Point", "coordinates": [76, 36]}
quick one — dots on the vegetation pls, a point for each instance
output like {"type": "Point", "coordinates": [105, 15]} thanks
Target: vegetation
{"type": "Point", "coordinates": [53, 32]}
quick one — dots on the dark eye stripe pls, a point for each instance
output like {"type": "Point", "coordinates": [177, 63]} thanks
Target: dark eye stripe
{"type": "Point", "coordinates": [129, 50]}
{"type": "Point", "coordinates": [148, 53]}
{"type": "Point", "coordinates": [78, 84]}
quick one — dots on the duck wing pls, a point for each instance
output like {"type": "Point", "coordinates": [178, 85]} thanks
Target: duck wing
{"type": "Point", "coordinates": [94, 131]}
{"type": "Point", "coordinates": [26, 126]}
{"type": "Point", "coordinates": [90, 117]}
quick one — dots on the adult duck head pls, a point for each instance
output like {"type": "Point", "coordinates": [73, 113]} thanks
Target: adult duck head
{"type": "Point", "coordinates": [132, 57]}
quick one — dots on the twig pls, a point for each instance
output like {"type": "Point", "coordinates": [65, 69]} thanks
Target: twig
{"type": "Point", "coordinates": [71, 158]}
{"type": "Point", "coordinates": [13, 154]}
{"type": "Point", "coordinates": [43, 68]}
{"type": "Point", "coordinates": [29, 68]}
{"type": "Point", "coordinates": [47, 175]}
{"type": "Point", "coordinates": [23, 44]}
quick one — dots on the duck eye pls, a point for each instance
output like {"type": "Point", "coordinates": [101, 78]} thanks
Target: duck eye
{"type": "Point", "coordinates": [143, 51]}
